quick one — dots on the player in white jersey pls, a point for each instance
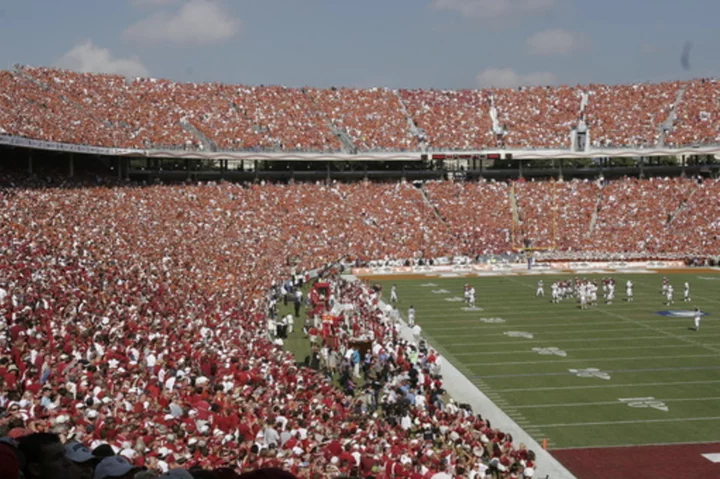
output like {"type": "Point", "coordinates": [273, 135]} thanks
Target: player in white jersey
{"type": "Point", "coordinates": [697, 318]}
{"type": "Point", "coordinates": [686, 293]}
{"type": "Point", "coordinates": [393, 294]}
{"type": "Point", "coordinates": [629, 290]}
{"type": "Point", "coordinates": [669, 295]}
{"type": "Point", "coordinates": [540, 289]}
{"type": "Point", "coordinates": [611, 292]}
{"type": "Point", "coordinates": [555, 292]}
{"type": "Point", "coordinates": [471, 297]}
{"type": "Point", "coordinates": [411, 316]}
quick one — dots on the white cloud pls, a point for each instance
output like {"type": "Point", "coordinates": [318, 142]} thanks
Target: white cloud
{"type": "Point", "coordinates": [509, 78]}
{"type": "Point", "coordinates": [492, 9]}
{"type": "Point", "coordinates": [89, 58]}
{"type": "Point", "coordinates": [556, 42]}
{"type": "Point", "coordinates": [198, 22]}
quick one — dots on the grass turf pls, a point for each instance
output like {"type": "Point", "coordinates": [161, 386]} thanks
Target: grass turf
{"type": "Point", "coordinates": [646, 355]}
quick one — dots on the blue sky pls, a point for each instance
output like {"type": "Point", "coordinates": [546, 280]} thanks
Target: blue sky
{"type": "Point", "coordinates": [394, 43]}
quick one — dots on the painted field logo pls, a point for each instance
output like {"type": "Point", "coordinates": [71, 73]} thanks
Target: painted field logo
{"type": "Point", "coordinates": [454, 299]}
{"type": "Point", "coordinates": [590, 373]}
{"type": "Point", "coordinates": [428, 285]}
{"type": "Point", "coordinates": [492, 321]}
{"type": "Point", "coordinates": [682, 313]}
{"type": "Point", "coordinates": [440, 291]}
{"type": "Point", "coordinates": [650, 402]}
{"type": "Point", "coordinates": [550, 352]}
{"type": "Point", "coordinates": [519, 334]}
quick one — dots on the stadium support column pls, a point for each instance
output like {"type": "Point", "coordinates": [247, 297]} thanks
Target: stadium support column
{"type": "Point", "coordinates": [682, 163]}
{"type": "Point", "coordinates": [642, 167]}
{"type": "Point", "coordinates": [30, 162]}
{"type": "Point", "coordinates": [520, 169]}
{"type": "Point", "coordinates": [560, 169]}
{"type": "Point", "coordinates": [71, 165]}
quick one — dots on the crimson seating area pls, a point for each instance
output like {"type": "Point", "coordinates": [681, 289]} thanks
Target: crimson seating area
{"type": "Point", "coordinates": [136, 316]}
{"type": "Point", "coordinates": [112, 111]}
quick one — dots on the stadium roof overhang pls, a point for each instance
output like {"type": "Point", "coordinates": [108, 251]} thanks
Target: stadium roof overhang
{"type": "Point", "coordinates": [516, 154]}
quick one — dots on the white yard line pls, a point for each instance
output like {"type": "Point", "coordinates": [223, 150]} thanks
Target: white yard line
{"type": "Point", "coordinates": [594, 360]}
{"type": "Point", "coordinates": [606, 386]}
{"type": "Point", "coordinates": [530, 351]}
{"type": "Point", "coordinates": [545, 333]}
{"type": "Point", "coordinates": [611, 403]}
{"type": "Point", "coordinates": [613, 371]}
{"type": "Point", "coordinates": [576, 340]}
{"type": "Point", "coordinates": [638, 421]}
{"type": "Point", "coordinates": [477, 322]}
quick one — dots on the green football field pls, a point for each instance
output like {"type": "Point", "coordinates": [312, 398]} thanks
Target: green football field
{"type": "Point", "coordinates": [652, 379]}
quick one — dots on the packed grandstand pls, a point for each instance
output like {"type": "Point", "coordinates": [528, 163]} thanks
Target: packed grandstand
{"type": "Point", "coordinates": [113, 111]}
{"type": "Point", "coordinates": [136, 317]}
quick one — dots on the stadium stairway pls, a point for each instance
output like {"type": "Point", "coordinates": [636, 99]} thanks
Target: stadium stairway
{"type": "Point", "coordinates": [416, 132]}
{"type": "Point", "coordinates": [516, 222]}
{"type": "Point", "coordinates": [206, 142]}
{"type": "Point", "coordinates": [681, 207]}
{"type": "Point", "coordinates": [497, 129]}
{"type": "Point", "coordinates": [669, 123]}
{"type": "Point", "coordinates": [346, 142]}
{"type": "Point", "coordinates": [427, 201]}
{"type": "Point", "coordinates": [596, 210]}
{"type": "Point", "coordinates": [348, 145]}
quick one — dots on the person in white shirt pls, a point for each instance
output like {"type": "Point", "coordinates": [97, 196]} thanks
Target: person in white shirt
{"type": "Point", "coordinates": [686, 295]}
{"type": "Point", "coordinates": [629, 291]}
{"type": "Point", "coordinates": [697, 318]}
{"type": "Point", "coordinates": [393, 294]}
{"type": "Point", "coordinates": [411, 316]}
{"type": "Point", "coordinates": [669, 295]}
{"type": "Point", "coordinates": [540, 289]}
{"type": "Point", "coordinates": [610, 292]}
{"type": "Point", "coordinates": [416, 330]}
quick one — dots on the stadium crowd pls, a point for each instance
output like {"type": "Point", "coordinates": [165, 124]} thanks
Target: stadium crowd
{"type": "Point", "coordinates": [112, 111]}
{"type": "Point", "coordinates": [135, 318]}
{"type": "Point", "coordinates": [135, 324]}
{"type": "Point", "coordinates": [622, 115]}
{"type": "Point", "coordinates": [537, 117]}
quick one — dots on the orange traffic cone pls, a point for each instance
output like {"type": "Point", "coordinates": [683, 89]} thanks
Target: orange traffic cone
{"type": "Point", "coordinates": [544, 444]}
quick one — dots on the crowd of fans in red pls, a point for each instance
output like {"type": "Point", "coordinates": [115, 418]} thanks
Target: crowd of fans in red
{"type": "Point", "coordinates": [136, 317]}
{"type": "Point", "coordinates": [112, 111]}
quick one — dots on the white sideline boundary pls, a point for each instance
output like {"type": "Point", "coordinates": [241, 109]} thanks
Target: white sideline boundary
{"type": "Point", "coordinates": [462, 390]}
